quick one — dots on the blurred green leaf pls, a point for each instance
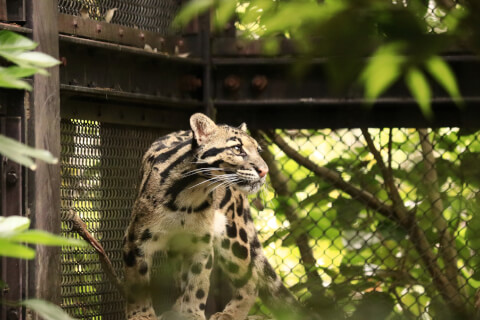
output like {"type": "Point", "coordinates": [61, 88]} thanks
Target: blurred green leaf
{"type": "Point", "coordinates": [46, 310]}
{"type": "Point", "coordinates": [374, 306]}
{"type": "Point", "coordinates": [22, 153]}
{"type": "Point", "coordinates": [13, 42]}
{"type": "Point", "coordinates": [442, 73]}
{"type": "Point", "coordinates": [45, 238]}
{"type": "Point", "coordinates": [14, 250]}
{"type": "Point", "coordinates": [38, 59]}
{"type": "Point", "coordinates": [225, 11]}
{"type": "Point", "coordinates": [13, 224]}
{"type": "Point", "coordinates": [383, 69]}
{"type": "Point", "coordinates": [420, 90]}
{"type": "Point", "coordinates": [191, 10]}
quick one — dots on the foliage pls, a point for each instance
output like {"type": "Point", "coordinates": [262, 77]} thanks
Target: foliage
{"type": "Point", "coordinates": [403, 38]}
{"type": "Point", "coordinates": [14, 231]}
{"type": "Point", "coordinates": [17, 50]}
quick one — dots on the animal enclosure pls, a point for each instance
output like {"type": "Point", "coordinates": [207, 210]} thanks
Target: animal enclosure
{"type": "Point", "coordinates": [367, 211]}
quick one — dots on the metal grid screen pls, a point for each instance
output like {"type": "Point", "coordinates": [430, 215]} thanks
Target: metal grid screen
{"type": "Point", "coordinates": [375, 224]}
{"type": "Point", "coordinates": [151, 15]}
{"type": "Point", "coordinates": [360, 224]}
{"type": "Point", "coordinates": [100, 172]}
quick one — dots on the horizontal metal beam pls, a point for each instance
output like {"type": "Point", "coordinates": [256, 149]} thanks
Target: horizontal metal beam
{"type": "Point", "coordinates": [125, 108]}
{"type": "Point", "coordinates": [334, 114]}
{"type": "Point", "coordinates": [114, 33]}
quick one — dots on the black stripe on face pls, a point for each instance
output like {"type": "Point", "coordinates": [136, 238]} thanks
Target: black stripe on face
{"type": "Point", "coordinates": [212, 152]}
{"type": "Point", "coordinates": [205, 205]}
{"type": "Point", "coordinates": [226, 198]}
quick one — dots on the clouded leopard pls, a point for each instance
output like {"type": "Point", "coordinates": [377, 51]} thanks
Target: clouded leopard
{"type": "Point", "coordinates": [192, 205]}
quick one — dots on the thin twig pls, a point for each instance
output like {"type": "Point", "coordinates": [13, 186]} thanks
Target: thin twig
{"type": "Point", "coordinates": [78, 226]}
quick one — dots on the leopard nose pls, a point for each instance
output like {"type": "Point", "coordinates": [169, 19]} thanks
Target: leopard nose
{"type": "Point", "coordinates": [262, 172]}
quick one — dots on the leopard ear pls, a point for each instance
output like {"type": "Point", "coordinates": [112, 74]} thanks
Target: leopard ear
{"type": "Point", "coordinates": [243, 127]}
{"type": "Point", "coordinates": [202, 127]}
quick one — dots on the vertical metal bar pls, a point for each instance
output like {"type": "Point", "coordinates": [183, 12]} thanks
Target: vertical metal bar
{"type": "Point", "coordinates": [207, 58]}
{"type": "Point", "coordinates": [44, 186]}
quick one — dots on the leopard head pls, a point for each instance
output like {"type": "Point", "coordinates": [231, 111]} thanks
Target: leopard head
{"type": "Point", "coordinates": [227, 155]}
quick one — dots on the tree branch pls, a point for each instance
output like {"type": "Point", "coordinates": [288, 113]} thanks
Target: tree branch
{"type": "Point", "coordinates": [280, 184]}
{"type": "Point", "coordinates": [396, 213]}
{"type": "Point", "coordinates": [78, 226]}
{"type": "Point", "coordinates": [447, 248]}
{"type": "Point", "coordinates": [335, 179]}
{"type": "Point", "coordinates": [392, 190]}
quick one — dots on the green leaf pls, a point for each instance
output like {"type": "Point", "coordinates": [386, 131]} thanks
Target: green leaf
{"type": "Point", "coordinates": [224, 12]}
{"type": "Point", "coordinates": [374, 305]}
{"type": "Point", "coordinates": [7, 81]}
{"type": "Point", "coordinates": [420, 90]}
{"type": "Point", "coordinates": [18, 72]}
{"type": "Point", "coordinates": [46, 310]}
{"type": "Point", "coordinates": [13, 224]}
{"type": "Point", "coordinates": [11, 41]}
{"type": "Point", "coordinates": [14, 250]}
{"type": "Point", "coordinates": [441, 71]}
{"type": "Point", "coordinates": [45, 238]}
{"type": "Point", "coordinates": [383, 70]}
{"type": "Point", "coordinates": [38, 59]}
{"type": "Point", "coordinates": [20, 152]}
{"type": "Point", "coordinates": [190, 10]}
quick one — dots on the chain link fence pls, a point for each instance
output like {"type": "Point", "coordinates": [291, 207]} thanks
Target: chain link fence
{"type": "Point", "coordinates": [375, 224]}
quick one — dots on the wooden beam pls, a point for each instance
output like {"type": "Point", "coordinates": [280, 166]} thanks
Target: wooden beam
{"type": "Point", "coordinates": [44, 198]}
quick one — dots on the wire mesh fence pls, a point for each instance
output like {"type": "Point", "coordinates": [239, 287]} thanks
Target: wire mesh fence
{"type": "Point", "coordinates": [150, 15]}
{"type": "Point", "coordinates": [360, 224]}
{"type": "Point", "coordinates": [386, 216]}
{"type": "Point", "coordinates": [100, 172]}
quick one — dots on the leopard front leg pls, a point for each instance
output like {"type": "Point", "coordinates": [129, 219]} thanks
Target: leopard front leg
{"type": "Point", "coordinates": [195, 284]}
{"type": "Point", "coordinates": [137, 281]}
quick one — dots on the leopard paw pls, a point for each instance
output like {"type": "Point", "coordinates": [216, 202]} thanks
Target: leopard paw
{"type": "Point", "coordinates": [222, 316]}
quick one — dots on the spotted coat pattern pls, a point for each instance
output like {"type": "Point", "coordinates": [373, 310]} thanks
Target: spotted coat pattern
{"type": "Point", "coordinates": [192, 204]}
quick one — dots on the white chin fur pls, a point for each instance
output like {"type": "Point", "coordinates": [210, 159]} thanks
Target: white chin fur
{"type": "Point", "coordinates": [252, 188]}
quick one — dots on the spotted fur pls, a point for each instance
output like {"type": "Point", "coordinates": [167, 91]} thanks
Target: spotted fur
{"type": "Point", "coordinates": [192, 205]}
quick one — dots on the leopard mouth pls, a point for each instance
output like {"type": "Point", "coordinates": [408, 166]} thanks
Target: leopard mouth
{"type": "Point", "coordinates": [250, 186]}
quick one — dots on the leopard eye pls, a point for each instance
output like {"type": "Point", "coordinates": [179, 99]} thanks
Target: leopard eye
{"type": "Point", "coordinates": [238, 150]}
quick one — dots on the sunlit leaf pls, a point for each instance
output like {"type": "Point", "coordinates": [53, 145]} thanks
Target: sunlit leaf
{"type": "Point", "coordinates": [46, 310]}
{"type": "Point", "coordinates": [45, 238]}
{"type": "Point", "coordinates": [224, 12]}
{"type": "Point", "coordinates": [38, 59]}
{"type": "Point", "coordinates": [13, 224]}
{"type": "Point", "coordinates": [22, 153]}
{"type": "Point", "coordinates": [420, 90]}
{"type": "Point", "coordinates": [15, 250]}
{"type": "Point", "coordinates": [442, 73]}
{"type": "Point", "coordinates": [192, 9]}
{"type": "Point", "coordinates": [383, 69]}
{"type": "Point", "coordinates": [13, 42]}
{"type": "Point", "coordinates": [7, 81]}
